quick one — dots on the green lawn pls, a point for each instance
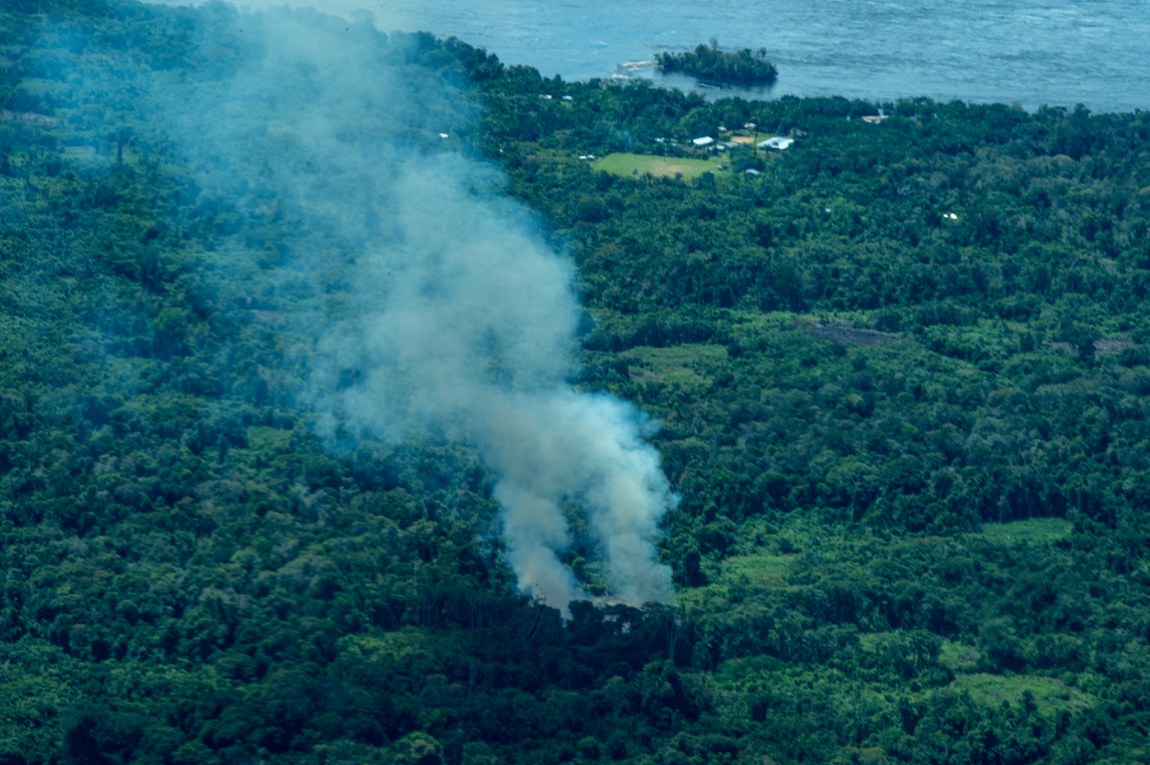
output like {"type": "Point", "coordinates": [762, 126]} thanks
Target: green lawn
{"type": "Point", "coordinates": [661, 167]}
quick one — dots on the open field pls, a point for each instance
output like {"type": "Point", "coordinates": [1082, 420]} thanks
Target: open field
{"type": "Point", "coordinates": [1030, 531]}
{"type": "Point", "coordinates": [688, 365]}
{"type": "Point", "coordinates": [1049, 694]}
{"type": "Point", "coordinates": [660, 167]}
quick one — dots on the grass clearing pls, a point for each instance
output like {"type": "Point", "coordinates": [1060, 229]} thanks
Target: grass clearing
{"type": "Point", "coordinates": [683, 365]}
{"type": "Point", "coordinates": [626, 165]}
{"type": "Point", "coordinates": [871, 642]}
{"type": "Point", "coordinates": [958, 657]}
{"type": "Point", "coordinates": [1034, 531]}
{"type": "Point", "coordinates": [262, 438]}
{"type": "Point", "coordinates": [758, 570]}
{"type": "Point", "coordinates": [1050, 695]}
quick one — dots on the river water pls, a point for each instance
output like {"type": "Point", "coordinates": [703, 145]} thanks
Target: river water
{"type": "Point", "coordinates": [1024, 52]}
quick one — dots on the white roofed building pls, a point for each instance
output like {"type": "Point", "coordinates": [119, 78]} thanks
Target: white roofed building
{"type": "Point", "coordinates": [778, 142]}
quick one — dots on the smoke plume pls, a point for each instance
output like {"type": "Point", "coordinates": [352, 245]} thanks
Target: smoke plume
{"type": "Point", "coordinates": [453, 318]}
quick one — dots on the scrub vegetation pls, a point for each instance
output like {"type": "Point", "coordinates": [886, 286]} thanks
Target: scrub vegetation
{"type": "Point", "coordinates": [900, 378]}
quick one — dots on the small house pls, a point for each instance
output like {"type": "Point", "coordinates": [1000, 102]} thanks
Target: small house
{"type": "Point", "coordinates": [779, 143]}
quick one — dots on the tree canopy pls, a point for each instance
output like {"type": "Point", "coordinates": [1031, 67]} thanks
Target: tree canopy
{"type": "Point", "coordinates": [899, 373]}
{"type": "Point", "coordinates": [745, 66]}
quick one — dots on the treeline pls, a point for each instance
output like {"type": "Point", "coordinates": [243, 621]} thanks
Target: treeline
{"type": "Point", "coordinates": [745, 66]}
{"type": "Point", "coordinates": [900, 374]}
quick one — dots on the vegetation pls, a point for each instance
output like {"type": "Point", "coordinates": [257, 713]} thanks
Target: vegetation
{"type": "Point", "coordinates": [626, 164]}
{"type": "Point", "coordinates": [901, 376]}
{"type": "Point", "coordinates": [744, 67]}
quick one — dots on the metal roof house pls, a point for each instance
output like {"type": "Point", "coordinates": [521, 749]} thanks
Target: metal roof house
{"type": "Point", "coordinates": [778, 142]}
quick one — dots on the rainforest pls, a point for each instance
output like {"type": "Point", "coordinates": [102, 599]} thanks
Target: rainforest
{"type": "Point", "coordinates": [352, 410]}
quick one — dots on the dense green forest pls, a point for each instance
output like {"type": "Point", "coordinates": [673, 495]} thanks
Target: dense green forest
{"type": "Point", "coordinates": [711, 63]}
{"type": "Point", "coordinates": [899, 372]}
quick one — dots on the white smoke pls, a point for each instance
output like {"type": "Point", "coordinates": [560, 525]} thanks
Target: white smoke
{"type": "Point", "coordinates": [458, 320]}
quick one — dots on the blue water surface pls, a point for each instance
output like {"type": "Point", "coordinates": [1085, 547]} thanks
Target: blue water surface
{"type": "Point", "coordinates": [1025, 52]}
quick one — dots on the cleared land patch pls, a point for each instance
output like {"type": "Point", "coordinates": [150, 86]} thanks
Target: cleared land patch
{"type": "Point", "coordinates": [1050, 694]}
{"type": "Point", "coordinates": [1036, 531]}
{"type": "Point", "coordinates": [683, 365]}
{"type": "Point", "coordinates": [661, 167]}
{"type": "Point", "coordinates": [759, 571]}
{"type": "Point", "coordinates": [958, 657]}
